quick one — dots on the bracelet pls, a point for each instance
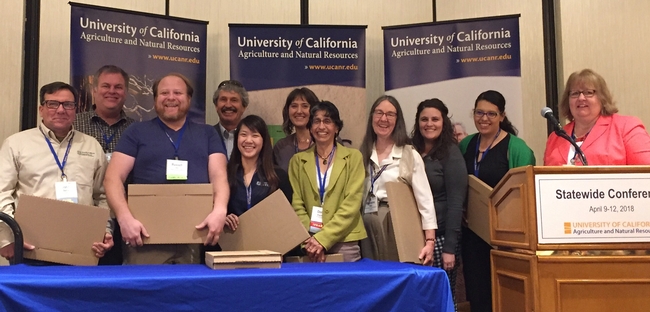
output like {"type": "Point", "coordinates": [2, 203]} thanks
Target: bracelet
{"type": "Point", "coordinates": [429, 240]}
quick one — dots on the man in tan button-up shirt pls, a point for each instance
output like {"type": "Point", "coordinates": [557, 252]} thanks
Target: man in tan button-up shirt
{"type": "Point", "coordinates": [32, 161]}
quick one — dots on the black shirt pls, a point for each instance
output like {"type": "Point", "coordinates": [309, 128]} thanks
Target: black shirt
{"type": "Point", "coordinates": [259, 190]}
{"type": "Point", "coordinates": [495, 163]}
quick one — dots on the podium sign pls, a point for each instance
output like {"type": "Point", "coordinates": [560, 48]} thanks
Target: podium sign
{"type": "Point", "coordinates": [593, 208]}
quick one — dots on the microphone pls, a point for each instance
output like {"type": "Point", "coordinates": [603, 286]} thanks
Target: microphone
{"type": "Point", "coordinates": [547, 113]}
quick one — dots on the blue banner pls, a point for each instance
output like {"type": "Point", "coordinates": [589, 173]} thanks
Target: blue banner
{"type": "Point", "coordinates": [455, 61]}
{"type": "Point", "coordinates": [272, 60]}
{"type": "Point", "coordinates": [146, 46]}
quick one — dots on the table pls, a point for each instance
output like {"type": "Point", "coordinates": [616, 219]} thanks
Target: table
{"type": "Point", "coordinates": [361, 286]}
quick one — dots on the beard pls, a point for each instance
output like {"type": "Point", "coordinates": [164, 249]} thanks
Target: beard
{"type": "Point", "coordinates": [169, 116]}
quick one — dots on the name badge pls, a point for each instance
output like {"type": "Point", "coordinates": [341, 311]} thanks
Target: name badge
{"type": "Point", "coordinates": [66, 191]}
{"type": "Point", "coordinates": [316, 223]}
{"type": "Point", "coordinates": [371, 204]}
{"type": "Point", "coordinates": [176, 169]}
{"type": "Point", "coordinates": [108, 156]}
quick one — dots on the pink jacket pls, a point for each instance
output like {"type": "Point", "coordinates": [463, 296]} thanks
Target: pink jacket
{"type": "Point", "coordinates": [614, 140]}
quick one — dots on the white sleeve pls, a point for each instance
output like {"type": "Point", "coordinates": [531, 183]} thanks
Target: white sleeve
{"type": "Point", "coordinates": [422, 193]}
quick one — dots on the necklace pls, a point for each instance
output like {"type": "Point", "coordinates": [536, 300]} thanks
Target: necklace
{"type": "Point", "coordinates": [296, 142]}
{"type": "Point", "coordinates": [326, 157]}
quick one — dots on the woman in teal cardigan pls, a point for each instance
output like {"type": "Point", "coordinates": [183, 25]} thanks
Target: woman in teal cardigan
{"type": "Point", "coordinates": [327, 181]}
{"type": "Point", "coordinates": [489, 154]}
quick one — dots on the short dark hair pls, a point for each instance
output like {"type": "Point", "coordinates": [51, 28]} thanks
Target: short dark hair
{"type": "Point", "coordinates": [305, 93]}
{"type": "Point", "coordinates": [53, 87]}
{"type": "Point", "coordinates": [234, 86]}
{"type": "Point", "coordinates": [330, 111]}
{"type": "Point", "coordinates": [111, 69]}
{"type": "Point", "coordinates": [188, 84]}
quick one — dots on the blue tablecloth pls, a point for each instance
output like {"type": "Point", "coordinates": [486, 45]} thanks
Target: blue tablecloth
{"type": "Point", "coordinates": [362, 286]}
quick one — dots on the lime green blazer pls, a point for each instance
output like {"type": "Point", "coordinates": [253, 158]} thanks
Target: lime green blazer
{"type": "Point", "coordinates": [341, 208]}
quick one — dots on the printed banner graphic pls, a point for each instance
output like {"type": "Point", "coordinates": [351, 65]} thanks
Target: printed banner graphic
{"type": "Point", "coordinates": [455, 61]}
{"type": "Point", "coordinates": [593, 208]}
{"type": "Point", "coordinates": [272, 60]}
{"type": "Point", "coordinates": [146, 46]}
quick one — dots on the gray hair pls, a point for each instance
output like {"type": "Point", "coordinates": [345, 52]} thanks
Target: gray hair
{"type": "Point", "coordinates": [231, 86]}
{"type": "Point", "coordinates": [458, 123]}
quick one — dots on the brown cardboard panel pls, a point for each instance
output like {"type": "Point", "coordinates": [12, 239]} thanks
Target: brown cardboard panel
{"type": "Point", "coordinates": [62, 232]}
{"type": "Point", "coordinates": [305, 259]}
{"type": "Point", "coordinates": [170, 189]}
{"type": "Point", "coordinates": [407, 224]}
{"type": "Point", "coordinates": [272, 224]}
{"type": "Point", "coordinates": [246, 265]}
{"type": "Point", "coordinates": [170, 212]}
{"type": "Point", "coordinates": [243, 259]}
{"type": "Point", "coordinates": [478, 208]}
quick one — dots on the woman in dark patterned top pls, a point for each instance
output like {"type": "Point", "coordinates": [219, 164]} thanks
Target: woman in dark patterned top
{"type": "Point", "coordinates": [433, 137]}
{"type": "Point", "coordinates": [295, 115]}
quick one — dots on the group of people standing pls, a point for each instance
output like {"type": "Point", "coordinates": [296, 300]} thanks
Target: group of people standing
{"type": "Point", "coordinates": [339, 193]}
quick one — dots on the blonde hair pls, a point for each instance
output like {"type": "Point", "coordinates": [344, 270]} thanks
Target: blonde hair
{"type": "Point", "coordinates": [588, 78]}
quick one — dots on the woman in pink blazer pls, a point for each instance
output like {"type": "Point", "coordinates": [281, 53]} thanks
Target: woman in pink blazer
{"type": "Point", "coordinates": [605, 137]}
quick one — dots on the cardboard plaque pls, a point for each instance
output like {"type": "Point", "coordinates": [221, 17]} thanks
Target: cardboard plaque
{"type": "Point", "coordinates": [272, 224]}
{"type": "Point", "coordinates": [62, 232]}
{"type": "Point", "coordinates": [252, 259]}
{"type": "Point", "coordinates": [406, 220]}
{"type": "Point", "coordinates": [170, 212]}
{"type": "Point", "coordinates": [478, 207]}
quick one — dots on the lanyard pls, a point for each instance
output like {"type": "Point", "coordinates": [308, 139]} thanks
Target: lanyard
{"type": "Point", "coordinates": [176, 144]}
{"type": "Point", "coordinates": [249, 192]}
{"type": "Point", "coordinates": [56, 157]}
{"type": "Point", "coordinates": [321, 180]}
{"type": "Point", "coordinates": [249, 195]}
{"type": "Point", "coordinates": [573, 136]}
{"type": "Point", "coordinates": [107, 139]}
{"type": "Point", "coordinates": [374, 178]}
{"type": "Point", "coordinates": [295, 145]}
{"type": "Point", "coordinates": [477, 164]}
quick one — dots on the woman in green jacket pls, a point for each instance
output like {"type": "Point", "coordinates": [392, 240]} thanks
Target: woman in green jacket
{"type": "Point", "coordinates": [327, 181]}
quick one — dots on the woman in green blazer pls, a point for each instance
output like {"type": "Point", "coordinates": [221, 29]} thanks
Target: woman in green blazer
{"type": "Point", "coordinates": [327, 181]}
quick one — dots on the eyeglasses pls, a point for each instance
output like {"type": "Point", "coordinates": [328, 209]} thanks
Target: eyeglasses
{"type": "Point", "coordinates": [587, 93]}
{"type": "Point", "coordinates": [230, 82]}
{"type": "Point", "coordinates": [53, 104]}
{"type": "Point", "coordinates": [389, 115]}
{"type": "Point", "coordinates": [479, 114]}
{"type": "Point", "coordinates": [325, 121]}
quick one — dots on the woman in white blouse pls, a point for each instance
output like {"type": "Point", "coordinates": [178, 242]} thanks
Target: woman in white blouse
{"type": "Point", "coordinates": [387, 154]}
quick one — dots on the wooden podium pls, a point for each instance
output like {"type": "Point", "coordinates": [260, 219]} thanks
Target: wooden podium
{"type": "Point", "coordinates": [536, 267]}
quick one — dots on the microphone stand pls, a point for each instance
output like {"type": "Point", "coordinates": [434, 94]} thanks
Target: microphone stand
{"type": "Point", "coordinates": [561, 133]}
